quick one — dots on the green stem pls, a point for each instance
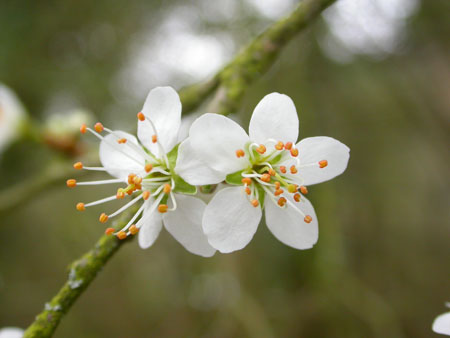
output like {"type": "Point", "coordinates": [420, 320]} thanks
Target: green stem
{"type": "Point", "coordinates": [81, 273]}
{"type": "Point", "coordinates": [231, 84]}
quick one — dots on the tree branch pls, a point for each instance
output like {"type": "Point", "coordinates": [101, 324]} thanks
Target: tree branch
{"type": "Point", "coordinates": [231, 84]}
{"type": "Point", "coordinates": [260, 54]}
{"type": "Point", "coordinates": [81, 273]}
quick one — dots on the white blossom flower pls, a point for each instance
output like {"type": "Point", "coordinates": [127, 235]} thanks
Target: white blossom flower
{"type": "Point", "coordinates": [12, 114]}
{"type": "Point", "coordinates": [148, 168]}
{"type": "Point", "coordinates": [442, 323]}
{"type": "Point", "coordinates": [268, 164]}
{"type": "Point", "coordinates": [11, 332]}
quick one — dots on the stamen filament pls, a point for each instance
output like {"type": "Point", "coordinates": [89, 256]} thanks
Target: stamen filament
{"type": "Point", "coordinates": [136, 215]}
{"type": "Point", "coordinates": [161, 149]}
{"type": "Point", "coordinates": [94, 168]}
{"type": "Point", "coordinates": [103, 200]}
{"type": "Point", "coordinates": [151, 210]}
{"type": "Point", "coordinates": [114, 145]}
{"type": "Point", "coordinates": [115, 180]}
{"type": "Point", "coordinates": [126, 206]}
{"type": "Point", "coordinates": [131, 144]}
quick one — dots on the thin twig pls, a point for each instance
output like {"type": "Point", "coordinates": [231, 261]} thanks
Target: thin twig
{"type": "Point", "coordinates": [81, 273]}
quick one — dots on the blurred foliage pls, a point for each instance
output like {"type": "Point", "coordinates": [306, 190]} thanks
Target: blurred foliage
{"type": "Point", "coordinates": [381, 266]}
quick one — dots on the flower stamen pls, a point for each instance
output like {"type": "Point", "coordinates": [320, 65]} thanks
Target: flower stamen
{"type": "Point", "coordinates": [240, 153]}
{"type": "Point", "coordinates": [98, 127]}
{"type": "Point", "coordinates": [162, 208]}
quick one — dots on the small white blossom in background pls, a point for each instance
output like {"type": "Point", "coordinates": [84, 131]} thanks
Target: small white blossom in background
{"type": "Point", "coordinates": [62, 125]}
{"type": "Point", "coordinates": [442, 323]}
{"type": "Point", "coordinates": [11, 332]}
{"type": "Point", "coordinates": [147, 165]}
{"type": "Point", "coordinates": [12, 115]}
{"type": "Point", "coordinates": [271, 169]}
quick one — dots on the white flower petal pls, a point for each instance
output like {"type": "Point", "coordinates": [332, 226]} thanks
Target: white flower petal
{"type": "Point", "coordinates": [315, 149]}
{"type": "Point", "coordinates": [11, 332]}
{"type": "Point", "coordinates": [185, 225]}
{"type": "Point", "coordinates": [151, 226]}
{"type": "Point", "coordinates": [230, 221]}
{"type": "Point", "coordinates": [216, 138]}
{"type": "Point", "coordinates": [274, 117]}
{"type": "Point", "coordinates": [120, 160]}
{"type": "Point", "coordinates": [442, 324]}
{"type": "Point", "coordinates": [12, 113]}
{"type": "Point", "coordinates": [192, 169]}
{"type": "Point", "coordinates": [288, 226]}
{"type": "Point", "coordinates": [163, 108]}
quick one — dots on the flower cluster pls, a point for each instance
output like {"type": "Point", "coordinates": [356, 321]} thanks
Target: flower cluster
{"type": "Point", "coordinates": [266, 169]}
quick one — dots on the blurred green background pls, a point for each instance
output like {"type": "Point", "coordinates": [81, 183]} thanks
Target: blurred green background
{"type": "Point", "coordinates": [372, 74]}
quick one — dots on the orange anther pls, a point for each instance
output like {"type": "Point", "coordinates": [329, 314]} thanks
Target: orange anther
{"type": "Point", "coordinates": [71, 183]}
{"type": "Point", "coordinates": [146, 195]}
{"type": "Point", "coordinates": [294, 152]}
{"type": "Point", "coordinates": [83, 129]}
{"type": "Point", "coordinates": [323, 163]}
{"type": "Point", "coordinates": [293, 169]}
{"type": "Point", "coordinates": [120, 194]}
{"type": "Point", "coordinates": [279, 145]}
{"type": "Point", "coordinates": [162, 208]}
{"type": "Point", "coordinates": [255, 203]}
{"type": "Point", "coordinates": [137, 180]}
{"type": "Point", "coordinates": [167, 188]}
{"type": "Point", "coordinates": [307, 219]}
{"type": "Point", "coordinates": [246, 180]}
{"type": "Point", "coordinates": [148, 167]}
{"type": "Point", "coordinates": [122, 140]}
{"type": "Point", "coordinates": [265, 178]}
{"type": "Point", "coordinates": [134, 229]}
{"type": "Point", "coordinates": [98, 127]}
{"type": "Point", "coordinates": [281, 201]}
{"type": "Point", "coordinates": [240, 153]}
{"type": "Point", "coordinates": [283, 169]}
{"type": "Point", "coordinates": [303, 190]}
{"type": "Point", "coordinates": [103, 218]}
{"type": "Point", "coordinates": [272, 172]}
{"type": "Point", "coordinates": [109, 231]}
{"type": "Point", "coordinates": [121, 235]}
{"type": "Point", "coordinates": [261, 149]}
{"type": "Point", "coordinates": [131, 178]}
{"type": "Point", "coordinates": [288, 145]}
{"type": "Point", "coordinates": [297, 197]}
{"type": "Point", "coordinates": [292, 188]}
{"type": "Point", "coordinates": [141, 116]}
{"type": "Point", "coordinates": [247, 190]}
{"type": "Point", "coordinates": [78, 165]}
{"type": "Point", "coordinates": [278, 192]}
{"type": "Point", "coordinates": [80, 207]}
{"type": "Point", "coordinates": [277, 185]}
{"type": "Point", "coordinates": [154, 138]}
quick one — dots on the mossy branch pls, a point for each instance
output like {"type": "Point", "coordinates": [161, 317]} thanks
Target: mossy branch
{"type": "Point", "coordinates": [260, 54]}
{"type": "Point", "coordinates": [230, 85]}
{"type": "Point", "coordinates": [81, 273]}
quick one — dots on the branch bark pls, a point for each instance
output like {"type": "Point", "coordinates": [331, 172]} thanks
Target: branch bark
{"type": "Point", "coordinates": [230, 85]}
{"type": "Point", "coordinates": [81, 273]}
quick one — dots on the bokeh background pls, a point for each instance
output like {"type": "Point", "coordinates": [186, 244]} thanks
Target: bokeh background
{"type": "Point", "coordinates": [374, 74]}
